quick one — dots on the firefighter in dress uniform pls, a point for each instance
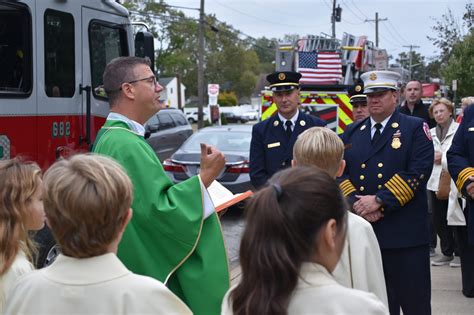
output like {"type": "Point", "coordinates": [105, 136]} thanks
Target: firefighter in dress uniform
{"type": "Point", "coordinates": [461, 167]}
{"type": "Point", "coordinates": [389, 159]}
{"type": "Point", "coordinates": [271, 148]}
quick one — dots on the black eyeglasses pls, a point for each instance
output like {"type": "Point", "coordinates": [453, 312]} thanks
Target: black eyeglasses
{"type": "Point", "coordinates": [150, 79]}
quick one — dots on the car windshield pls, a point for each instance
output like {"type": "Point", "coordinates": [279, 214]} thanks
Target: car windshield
{"type": "Point", "coordinates": [222, 140]}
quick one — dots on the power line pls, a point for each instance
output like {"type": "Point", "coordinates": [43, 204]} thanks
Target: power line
{"type": "Point", "coordinates": [357, 8]}
{"type": "Point", "coordinates": [396, 31]}
{"type": "Point", "coordinates": [353, 13]}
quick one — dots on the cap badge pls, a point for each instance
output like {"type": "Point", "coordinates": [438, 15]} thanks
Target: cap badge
{"type": "Point", "coordinates": [373, 76]}
{"type": "Point", "coordinates": [276, 123]}
{"type": "Point", "coordinates": [281, 76]}
{"type": "Point", "coordinates": [302, 123]}
{"type": "Point", "coordinates": [395, 125]}
{"type": "Point", "coordinates": [358, 88]}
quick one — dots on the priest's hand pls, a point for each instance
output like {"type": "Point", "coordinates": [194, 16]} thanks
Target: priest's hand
{"type": "Point", "coordinates": [212, 163]}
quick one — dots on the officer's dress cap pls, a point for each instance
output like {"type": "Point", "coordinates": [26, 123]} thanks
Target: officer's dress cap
{"type": "Point", "coordinates": [356, 93]}
{"type": "Point", "coordinates": [379, 81]}
{"type": "Point", "coordinates": [284, 81]}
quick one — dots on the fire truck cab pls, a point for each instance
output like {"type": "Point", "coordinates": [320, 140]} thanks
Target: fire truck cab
{"type": "Point", "coordinates": [52, 56]}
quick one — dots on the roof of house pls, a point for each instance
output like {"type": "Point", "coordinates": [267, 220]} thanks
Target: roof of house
{"type": "Point", "coordinates": [164, 81]}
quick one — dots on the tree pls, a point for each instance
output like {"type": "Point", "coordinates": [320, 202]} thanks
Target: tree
{"type": "Point", "coordinates": [449, 32]}
{"type": "Point", "coordinates": [460, 65]}
{"type": "Point", "coordinates": [418, 65]}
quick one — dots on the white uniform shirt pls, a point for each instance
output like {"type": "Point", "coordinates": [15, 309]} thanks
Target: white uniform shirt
{"type": "Point", "coordinates": [360, 266]}
{"type": "Point", "coordinates": [318, 293]}
{"type": "Point", "coordinates": [97, 285]}
{"type": "Point", "coordinates": [21, 266]}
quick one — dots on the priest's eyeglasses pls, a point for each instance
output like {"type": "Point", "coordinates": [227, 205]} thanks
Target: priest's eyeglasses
{"type": "Point", "coordinates": [150, 79]}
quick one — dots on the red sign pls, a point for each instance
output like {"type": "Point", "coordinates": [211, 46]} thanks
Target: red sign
{"type": "Point", "coordinates": [213, 89]}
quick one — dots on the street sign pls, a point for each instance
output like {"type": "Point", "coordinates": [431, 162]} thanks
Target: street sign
{"type": "Point", "coordinates": [212, 99]}
{"type": "Point", "coordinates": [455, 85]}
{"type": "Point", "coordinates": [213, 89]}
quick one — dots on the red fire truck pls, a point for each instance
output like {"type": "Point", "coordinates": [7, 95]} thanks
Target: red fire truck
{"type": "Point", "coordinates": [325, 92]}
{"type": "Point", "coordinates": [52, 56]}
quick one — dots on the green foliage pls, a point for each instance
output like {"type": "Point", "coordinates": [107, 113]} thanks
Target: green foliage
{"type": "Point", "coordinates": [229, 61]}
{"type": "Point", "coordinates": [417, 62]}
{"type": "Point", "coordinates": [223, 119]}
{"type": "Point", "coordinates": [449, 32]}
{"type": "Point", "coordinates": [460, 65]}
{"type": "Point", "coordinates": [227, 99]}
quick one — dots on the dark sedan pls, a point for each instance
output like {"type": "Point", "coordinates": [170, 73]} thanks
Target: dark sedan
{"type": "Point", "coordinates": [232, 140]}
{"type": "Point", "coordinates": [234, 118]}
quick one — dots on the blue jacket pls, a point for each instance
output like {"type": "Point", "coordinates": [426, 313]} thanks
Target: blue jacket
{"type": "Point", "coordinates": [396, 169]}
{"type": "Point", "coordinates": [461, 163]}
{"type": "Point", "coordinates": [270, 149]}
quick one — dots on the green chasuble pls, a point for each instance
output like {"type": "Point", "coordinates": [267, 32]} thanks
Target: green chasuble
{"type": "Point", "coordinates": [167, 238]}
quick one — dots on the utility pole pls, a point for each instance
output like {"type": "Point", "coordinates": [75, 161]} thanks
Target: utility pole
{"type": "Point", "coordinates": [201, 66]}
{"type": "Point", "coordinates": [411, 57]}
{"type": "Point", "coordinates": [333, 19]}
{"type": "Point", "coordinates": [376, 27]}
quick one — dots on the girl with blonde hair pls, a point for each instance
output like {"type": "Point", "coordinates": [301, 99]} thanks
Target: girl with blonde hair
{"type": "Point", "coordinates": [21, 211]}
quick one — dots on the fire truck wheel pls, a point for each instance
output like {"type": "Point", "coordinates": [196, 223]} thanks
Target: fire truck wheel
{"type": "Point", "coordinates": [48, 250]}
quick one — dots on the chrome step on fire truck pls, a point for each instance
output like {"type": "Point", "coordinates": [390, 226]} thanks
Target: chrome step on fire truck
{"type": "Point", "coordinates": [52, 56]}
{"type": "Point", "coordinates": [329, 68]}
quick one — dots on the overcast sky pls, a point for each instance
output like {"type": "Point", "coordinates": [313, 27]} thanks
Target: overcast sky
{"type": "Point", "coordinates": [409, 21]}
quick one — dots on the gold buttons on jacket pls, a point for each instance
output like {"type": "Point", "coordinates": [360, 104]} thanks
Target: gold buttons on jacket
{"type": "Point", "coordinates": [362, 166]}
{"type": "Point", "coordinates": [362, 177]}
{"type": "Point", "coordinates": [380, 165]}
{"type": "Point", "coordinates": [361, 188]}
{"type": "Point", "coordinates": [379, 187]}
{"type": "Point", "coordinates": [379, 175]}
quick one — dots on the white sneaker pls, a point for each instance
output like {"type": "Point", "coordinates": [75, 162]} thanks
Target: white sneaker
{"type": "Point", "coordinates": [455, 263]}
{"type": "Point", "coordinates": [442, 260]}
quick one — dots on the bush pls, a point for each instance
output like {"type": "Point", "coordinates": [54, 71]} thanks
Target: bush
{"type": "Point", "coordinates": [223, 119]}
{"type": "Point", "coordinates": [227, 99]}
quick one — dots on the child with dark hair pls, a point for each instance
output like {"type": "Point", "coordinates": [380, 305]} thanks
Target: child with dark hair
{"type": "Point", "coordinates": [295, 233]}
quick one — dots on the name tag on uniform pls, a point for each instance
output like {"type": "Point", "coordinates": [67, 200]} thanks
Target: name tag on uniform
{"type": "Point", "coordinates": [471, 129]}
{"type": "Point", "coordinates": [273, 145]}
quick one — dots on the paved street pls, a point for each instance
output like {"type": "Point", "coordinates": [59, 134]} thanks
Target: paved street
{"type": "Point", "coordinates": [446, 281]}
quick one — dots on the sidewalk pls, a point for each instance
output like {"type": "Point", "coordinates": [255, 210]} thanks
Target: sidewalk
{"type": "Point", "coordinates": [446, 296]}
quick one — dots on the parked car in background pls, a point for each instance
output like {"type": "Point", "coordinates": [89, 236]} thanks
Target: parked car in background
{"type": "Point", "coordinates": [234, 118]}
{"type": "Point", "coordinates": [166, 131]}
{"type": "Point", "coordinates": [251, 115]}
{"type": "Point", "coordinates": [193, 117]}
{"type": "Point", "coordinates": [232, 140]}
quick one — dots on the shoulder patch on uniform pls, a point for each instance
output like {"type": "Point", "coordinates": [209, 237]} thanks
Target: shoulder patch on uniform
{"type": "Point", "coordinates": [426, 129]}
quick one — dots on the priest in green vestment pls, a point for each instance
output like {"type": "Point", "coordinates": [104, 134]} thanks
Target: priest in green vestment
{"type": "Point", "coordinates": [175, 235]}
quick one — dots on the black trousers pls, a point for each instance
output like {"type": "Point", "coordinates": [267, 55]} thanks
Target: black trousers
{"type": "Point", "coordinates": [447, 234]}
{"type": "Point", "coordinates": [408, 280]}
{"type": "Point", "coordinates": [431, 228]}
{"type": "Point", "coordinates": [466, 252]}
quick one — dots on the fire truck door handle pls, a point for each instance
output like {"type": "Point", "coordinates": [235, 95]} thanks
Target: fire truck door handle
{"type": "Point", "coordinates": [88, 90]}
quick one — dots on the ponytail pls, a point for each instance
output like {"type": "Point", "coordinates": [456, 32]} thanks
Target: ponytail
{"type": "Point", "coordinates": [283, 219]}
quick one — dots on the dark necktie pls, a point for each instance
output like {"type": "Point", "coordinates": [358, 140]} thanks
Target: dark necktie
{"type": "Point", "coordinates": [288, 125]}
{"type": "Point", "coordinates": [377, 133]}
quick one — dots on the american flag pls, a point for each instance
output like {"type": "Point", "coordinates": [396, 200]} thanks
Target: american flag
{"type": "Point", "coordinates": [319, 67]}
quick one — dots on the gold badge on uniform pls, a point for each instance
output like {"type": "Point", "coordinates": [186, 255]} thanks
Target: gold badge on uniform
{"type": "Point", "coordinates": [396, 144]}
{"type": "Point", "coordinates": [373, 76]}
{"type": "Point", "coordinates": [471, 129]}
{"type": "Point", "coordinates": [281, 76]}
{"type": "Point", "coordinates": [358, 88]}
{"type": "Point", "coordinates": [276, 123]}
{"type": "Point", "coordinates": [395, 125]}
{"type": "Point", "coordinates": [302, 123]}
{"type": "Point", "coordinates": [363, 127]}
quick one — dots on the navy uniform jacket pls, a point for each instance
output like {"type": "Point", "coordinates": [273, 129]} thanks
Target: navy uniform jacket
{"type": "Point", "coordinates": [270, 149]}
{"type": "Point", "coordinates": [396, 169]}
{"type": "Point", "coordinates": [461, 162]}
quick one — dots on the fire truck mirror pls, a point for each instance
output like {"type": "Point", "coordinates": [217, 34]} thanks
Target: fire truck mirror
{"type": "Point", "coordinates": [144, 47]}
